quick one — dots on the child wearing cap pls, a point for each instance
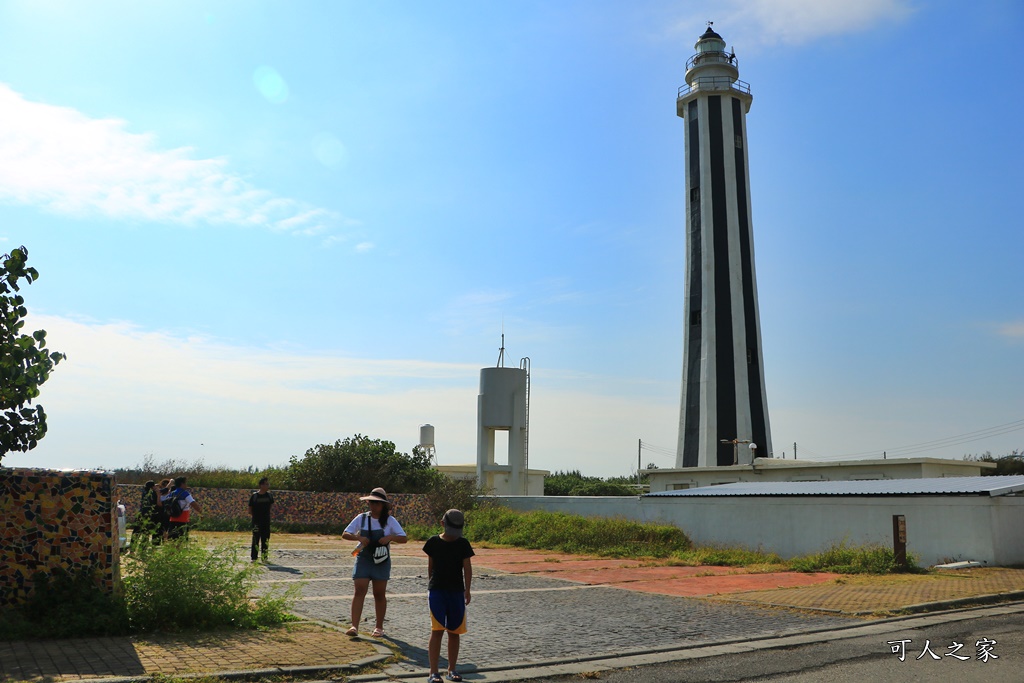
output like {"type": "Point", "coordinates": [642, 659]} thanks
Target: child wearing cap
{"type": "Point", "coordinates": [450, 571]}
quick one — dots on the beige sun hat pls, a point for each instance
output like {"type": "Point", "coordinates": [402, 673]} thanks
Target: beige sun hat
{"type": "Point", "coordinates": [377, 494]}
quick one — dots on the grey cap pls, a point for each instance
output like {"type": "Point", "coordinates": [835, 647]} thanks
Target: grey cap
{"type": "Point", "coordinates": [453, 521]}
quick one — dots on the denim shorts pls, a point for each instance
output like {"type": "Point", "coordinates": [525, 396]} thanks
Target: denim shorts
{"type": "Point", "coordinates": [364, 568]}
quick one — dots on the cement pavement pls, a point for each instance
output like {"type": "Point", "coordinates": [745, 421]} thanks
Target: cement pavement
{"type": "Point", "coordinates": [533, 613]}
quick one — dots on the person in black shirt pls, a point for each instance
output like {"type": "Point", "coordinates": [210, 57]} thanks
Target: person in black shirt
{"type": "Point", "coordinates": [162, 518]}
{"type": "Point", "coordinates": [259, 507]}
{"type": "Point", "coordinates": [147, 519]}
{"type": "Point", "coordinates": [450, 572]}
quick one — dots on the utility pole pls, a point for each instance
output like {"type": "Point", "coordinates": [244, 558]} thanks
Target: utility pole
{"type": "Point", "coordinates": [639, 447]}
{"type": "Point", "coordinates": [794, 450]}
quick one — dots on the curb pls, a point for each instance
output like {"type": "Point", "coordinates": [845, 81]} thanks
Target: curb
{"type": "Point", "coordinates": [938, 605]}
{"type": "Point", "coordinates": [597, 662]}
{"type": "Point", "coordinates": [383, 654]}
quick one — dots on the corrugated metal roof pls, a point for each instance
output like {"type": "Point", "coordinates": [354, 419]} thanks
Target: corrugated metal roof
{"type": "Point", "coordinates": [990, 486]}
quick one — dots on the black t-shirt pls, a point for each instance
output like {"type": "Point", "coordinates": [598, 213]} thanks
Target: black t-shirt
{"type": "Point", "coordinates": [260, 504]}
{"type": "Point", "coordinates": [448, 557]}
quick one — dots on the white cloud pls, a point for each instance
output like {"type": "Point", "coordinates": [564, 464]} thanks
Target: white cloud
{"type": "Point", "coordinates": [1013, 330]}
{"type": "Point", "coordinates": [60, 159]}
{"type": "Point", "coordinates": [125, 392]}
{"type": "Point", "coordinates": [364, 247]}
{"type": "Point", "coordinates": [794, 22]}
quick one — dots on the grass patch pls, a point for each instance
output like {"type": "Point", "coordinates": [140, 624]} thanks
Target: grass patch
{"type": "Point", "coordinates": [573, 534]}
{"type": "Point", "coordinates": [421, 532]}
{"type": "Point", "coordinates": [721, 556]}
{"type": "Point", "coordinates": [841, 558]}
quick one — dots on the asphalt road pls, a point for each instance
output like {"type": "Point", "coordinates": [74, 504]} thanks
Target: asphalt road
{"type": "Point", "coordinates": [866, 658]}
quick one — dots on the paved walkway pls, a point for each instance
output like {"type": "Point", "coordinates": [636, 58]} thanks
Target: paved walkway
{"type": "Point", "coordinates": [528, 608]}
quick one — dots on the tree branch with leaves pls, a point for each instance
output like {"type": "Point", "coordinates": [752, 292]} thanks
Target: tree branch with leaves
{"type": "Point", "coordinates": [25, 362]}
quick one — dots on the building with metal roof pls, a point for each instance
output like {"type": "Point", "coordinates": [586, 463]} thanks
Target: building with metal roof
{"type": "Point", "coordinates": [779, 470]}
{"type": "Point", "coordinates": [941, 486]}
{"type": "Point", "coordinates": [946, 519]}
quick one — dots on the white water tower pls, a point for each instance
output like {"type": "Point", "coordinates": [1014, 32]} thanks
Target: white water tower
{"type": "Point", "coordinates": [504, 405]}
{"type": "Point", "coordinates": [427, 442]}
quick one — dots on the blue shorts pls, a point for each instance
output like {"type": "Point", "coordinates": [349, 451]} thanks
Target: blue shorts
{"type": "Point", "coordinates": [364, 568]}
{"type": "Point", "coordinates": [447, 610]}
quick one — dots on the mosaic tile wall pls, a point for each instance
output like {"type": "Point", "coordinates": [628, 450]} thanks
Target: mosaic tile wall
{"type": "Point", "coordinates": [307, 507]}
{"type": "Point", "coordinates": [51, 520]}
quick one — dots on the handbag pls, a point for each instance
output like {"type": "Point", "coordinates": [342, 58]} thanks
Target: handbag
{"type": "Point", "coordinates": [381, 553]}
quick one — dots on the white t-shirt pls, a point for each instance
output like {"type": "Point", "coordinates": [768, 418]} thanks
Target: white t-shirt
{"type": "Point", "coordinates": [186, 502]}
{"type": "Point", "coordinates": [393, 528]}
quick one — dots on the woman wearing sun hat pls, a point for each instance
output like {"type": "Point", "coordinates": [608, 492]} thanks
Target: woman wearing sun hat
{"type": "Point", "coordinates": [375, 530]}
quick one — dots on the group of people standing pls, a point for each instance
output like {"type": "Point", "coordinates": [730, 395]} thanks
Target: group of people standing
{"type": "Point", "coordinates": [165, 510]}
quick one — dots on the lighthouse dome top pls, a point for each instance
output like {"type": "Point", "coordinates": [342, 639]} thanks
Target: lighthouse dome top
{"type": "Point", "coordinates": [710, 42]}
{"type": "Point", "coordinates": [710, 33]}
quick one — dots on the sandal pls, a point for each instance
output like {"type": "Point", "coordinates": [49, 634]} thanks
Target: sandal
{"type": "Point", "coordinates": [435, 678]}
{"type": "Point", "coordinates": [378, 633]}
{"type": "Point", "coordinates": [454, 676]}
{"type": "Point", "coordinates": [352, 632]}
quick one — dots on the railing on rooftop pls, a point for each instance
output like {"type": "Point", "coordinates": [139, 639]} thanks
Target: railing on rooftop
{"type": "Point", "coordinates": [718, 83]}
{"type": "Point", "coordinates": [702, 58]}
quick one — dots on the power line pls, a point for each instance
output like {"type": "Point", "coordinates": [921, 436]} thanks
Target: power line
{"type": "Point", "coordinates": [658, 450]}
{"type": "Point", "coordinates": [936, 444]}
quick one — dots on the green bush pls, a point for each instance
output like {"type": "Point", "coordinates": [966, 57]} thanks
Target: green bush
{"type": "Point", "coordinates": [182, 586]}
{"type": "Point", "coordinates": [360, 463]}
{"type": "Point", "coordinates": [844, 559]}
{"type": "Point", "coordinates": [576, 484]}
{"type": "Point", "coordinates": [574, 534]}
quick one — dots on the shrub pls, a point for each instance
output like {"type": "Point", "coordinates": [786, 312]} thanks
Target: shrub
{"type": "Point", "coordinates": [182, 586]}
{"type": "Point", "coordinates": [576, 484]}
{"type": "Point", "coordinates": [360, 464]}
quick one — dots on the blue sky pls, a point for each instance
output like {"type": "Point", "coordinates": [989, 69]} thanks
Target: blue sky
{"type": "Point", "coordinates": [263, 226]}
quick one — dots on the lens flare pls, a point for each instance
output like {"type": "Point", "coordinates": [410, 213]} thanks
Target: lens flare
{"type": "Point", "coordinates": [270, 84]}
{"type": "Point", "coordinates": [329, 150]}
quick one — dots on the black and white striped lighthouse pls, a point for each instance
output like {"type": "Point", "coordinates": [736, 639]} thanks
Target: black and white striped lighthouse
{"type": "Point", "coordinates": [724, 408]}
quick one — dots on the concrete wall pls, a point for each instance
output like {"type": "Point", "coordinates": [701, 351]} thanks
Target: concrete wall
{"type": "Point", "coordinates": [55, 520]}
{"type": "Point", "coordinates": [305, 507]}
{"type": "Point", "coordinates": [496, 478]}
{"type": "Point", "coordinates": [939, 528]}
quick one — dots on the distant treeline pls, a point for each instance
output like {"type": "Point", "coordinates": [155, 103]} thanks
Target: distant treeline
{"type": "Point", "coordinates": [354, 464]}
{"type": "Point", "coordinates": [1011, 463]}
